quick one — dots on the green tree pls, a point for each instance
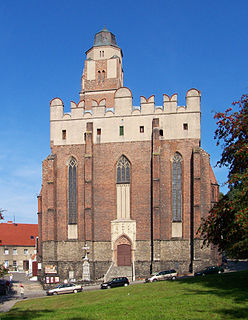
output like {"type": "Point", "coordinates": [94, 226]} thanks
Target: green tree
{"type": "Point", "coordinates": [3, 270]}
{"type": "Point", "coordinates": [227, 224]}
{"type": "Point", "coordinates": [1, 214]}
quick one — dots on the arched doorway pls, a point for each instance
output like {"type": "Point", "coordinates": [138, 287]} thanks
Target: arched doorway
{"type": "Point", "coordinates": [124, 255]}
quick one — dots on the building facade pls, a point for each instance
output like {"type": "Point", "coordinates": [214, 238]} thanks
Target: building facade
{"type": "Point", "coordinates": [18, 245]}
{"type": "Point", "coordinates": [130, 182]}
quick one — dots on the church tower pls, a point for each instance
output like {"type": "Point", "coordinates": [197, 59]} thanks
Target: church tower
{"type": "Point", "coordinates": [103, 72]}
{"type": "Point", "coordinates": [130, 181]}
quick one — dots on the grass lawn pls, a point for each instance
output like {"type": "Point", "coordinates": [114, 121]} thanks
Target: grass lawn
{"type": "Point", "coordinates": [212, 297]}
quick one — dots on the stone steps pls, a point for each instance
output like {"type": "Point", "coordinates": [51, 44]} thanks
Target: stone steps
{"type": "Point", "coordinates": [123, 271]}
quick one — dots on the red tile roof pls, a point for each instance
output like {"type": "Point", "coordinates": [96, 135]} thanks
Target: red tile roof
{"type": "Point", "coordinates": [18, 234]}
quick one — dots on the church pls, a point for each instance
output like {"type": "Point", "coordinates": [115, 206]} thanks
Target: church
{"type": "Point", "coordinates": [124, 187]}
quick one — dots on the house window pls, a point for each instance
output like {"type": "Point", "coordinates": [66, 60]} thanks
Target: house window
{"type": "Point", "coordinates": [72, 187]}
{"type": "Point", "coordinates": [63, 134]}
{"type": "Point", "coordinates": [6, 263]}
{"type": "Point", "coordinates": [14, 263]}
{"type": "Point", "coordinates": [177, 188]}
{"type": "Point", "coordinates": [31, 237]}
{"type": "Point", "coordinates": [141, 129]}
{"type": "Point", "coordinates": [14, 251]}
{"type": "Point", "coordinates": [6, 251]}
{"type": "Point", "coordinates": [25, 251]}
{"type": "Point", "coordinates": [185, 126]}
{"type": "Point", "coordinates": [121, 130]}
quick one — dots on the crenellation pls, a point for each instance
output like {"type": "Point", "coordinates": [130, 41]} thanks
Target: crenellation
{"type": "Point", "coordinates": [193, 100]}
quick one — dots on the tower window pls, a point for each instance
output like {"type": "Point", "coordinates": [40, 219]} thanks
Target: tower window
{"type": "Point", "coordinates": [63, 134]}
{"type": "Point", "coordinates": [103, 76]}
{"type": "Point", "coordinates": [99, 76]}
{"type": "Point", "coordinates": [185, 126]}
{"type": "Point", "coordinates": [161, 132]}
{"type": "Point", "coordinates": [98, 135]}
{"type": "Point", "coordinates": [121, 130]}
{"type": "Point", "coordinates": [141, 129]}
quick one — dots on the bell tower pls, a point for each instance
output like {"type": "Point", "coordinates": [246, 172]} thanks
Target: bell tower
{"type": "Point", "coordinates": [103, 72]}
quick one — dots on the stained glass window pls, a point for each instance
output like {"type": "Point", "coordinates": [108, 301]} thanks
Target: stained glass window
{"type": "Point", "coordinates": [177, 187]}
{"type": "Point", "coordinates": [123, 170]}
{"type": "Point", "coordinates": [72, 181]}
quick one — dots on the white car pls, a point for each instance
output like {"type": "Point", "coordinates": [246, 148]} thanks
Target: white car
{"type": "Point", "coordinates": [65, 288]}
{"type": "Point", "coordinates": [163, 275]}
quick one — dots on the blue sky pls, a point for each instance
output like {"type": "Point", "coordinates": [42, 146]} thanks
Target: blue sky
{"type": "Point", "coordinates": [169, 46]}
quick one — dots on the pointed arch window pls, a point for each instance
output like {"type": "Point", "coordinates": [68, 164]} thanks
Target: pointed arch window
{"type": "Point", "coordinates": [123, 170]}
{"type": "Point", "coordinates": [72, 191]}
{"type": "Point", "coordinates": [177, 188]}
{"type": "Point", "coordinates": [123, 188]}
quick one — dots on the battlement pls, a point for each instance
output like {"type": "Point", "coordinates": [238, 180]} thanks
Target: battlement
{"type": "Point", "coordinates": [176, 122]}
{"type": "Point", "coordinates": [123, 106]}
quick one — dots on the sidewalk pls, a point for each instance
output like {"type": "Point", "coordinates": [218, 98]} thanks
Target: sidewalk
{"type": "Point", "coordinates": [32, 289]}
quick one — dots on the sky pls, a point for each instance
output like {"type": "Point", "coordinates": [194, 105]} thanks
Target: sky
{"type": "Point", "coordinates": [169, 47]}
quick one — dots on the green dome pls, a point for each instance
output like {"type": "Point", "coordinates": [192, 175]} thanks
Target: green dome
{"type": "Point", "coordinates": [105, 38]}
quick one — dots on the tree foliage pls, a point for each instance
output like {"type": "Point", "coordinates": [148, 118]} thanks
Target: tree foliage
{"type": "Point", "coordinates": [227, 224]}
{"type": "Point", "coordinates": [3, 270]}
{"type": "Point", "coordinates": [1, 214]}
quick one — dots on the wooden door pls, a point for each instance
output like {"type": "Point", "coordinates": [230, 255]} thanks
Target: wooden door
{"type": "Point", "coordinates": [124, 255]}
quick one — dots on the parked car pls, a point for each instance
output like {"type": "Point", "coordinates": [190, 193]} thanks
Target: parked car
{"type": "Point", "coordinates": [3, 289]}
{"type": "Point", "coordinates": [163, 275]}
{"type": "Point", "coordinates": [115, 282]}
{"type": "Point", "coordinates": [65, 288]}
{"type": "Point", "coordinates": [5, 286]}
{"type": "Point", "coordinates": [209, 270]}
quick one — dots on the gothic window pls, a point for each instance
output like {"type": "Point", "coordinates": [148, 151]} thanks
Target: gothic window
{"type": "Point", "coordinates": [123, 188]}
{"type": "Point", "coordinates": [103, 76]}
{"type": "Point", "coordinates": [123, 170]}
{"type": "Point", "coordinates": [177, 188]}
{"type": "Point", "coordinates": [72, 191]}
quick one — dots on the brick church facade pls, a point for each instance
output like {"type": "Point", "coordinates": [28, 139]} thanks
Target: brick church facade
{"type": "Point", "coordinates": [131, 182]}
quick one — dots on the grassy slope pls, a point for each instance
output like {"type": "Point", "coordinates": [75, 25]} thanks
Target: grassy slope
{"type": "Point", "coordinates": [222, 296]}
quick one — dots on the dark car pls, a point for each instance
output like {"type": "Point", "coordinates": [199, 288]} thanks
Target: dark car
{"type": "Point", "coordinates": [5, 286]}
{"type": "Point", "coordinates": [115, 282]}
{"type": "Point", "coordinates": [209, 270]}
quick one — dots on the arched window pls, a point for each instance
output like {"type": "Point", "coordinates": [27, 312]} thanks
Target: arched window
{"type": "Point", "coordinates": [123, 188]}
{"type": "Point", "coordinates": [72, 191]}
{"type": "Point", "coordinates": [103, 76]}
{"type": "Point", "coordinates": [99, 76]}
{"type": "Point", "coordinates": [177, 188]}
{"type": "Point", "coordinates": [123, 170]}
